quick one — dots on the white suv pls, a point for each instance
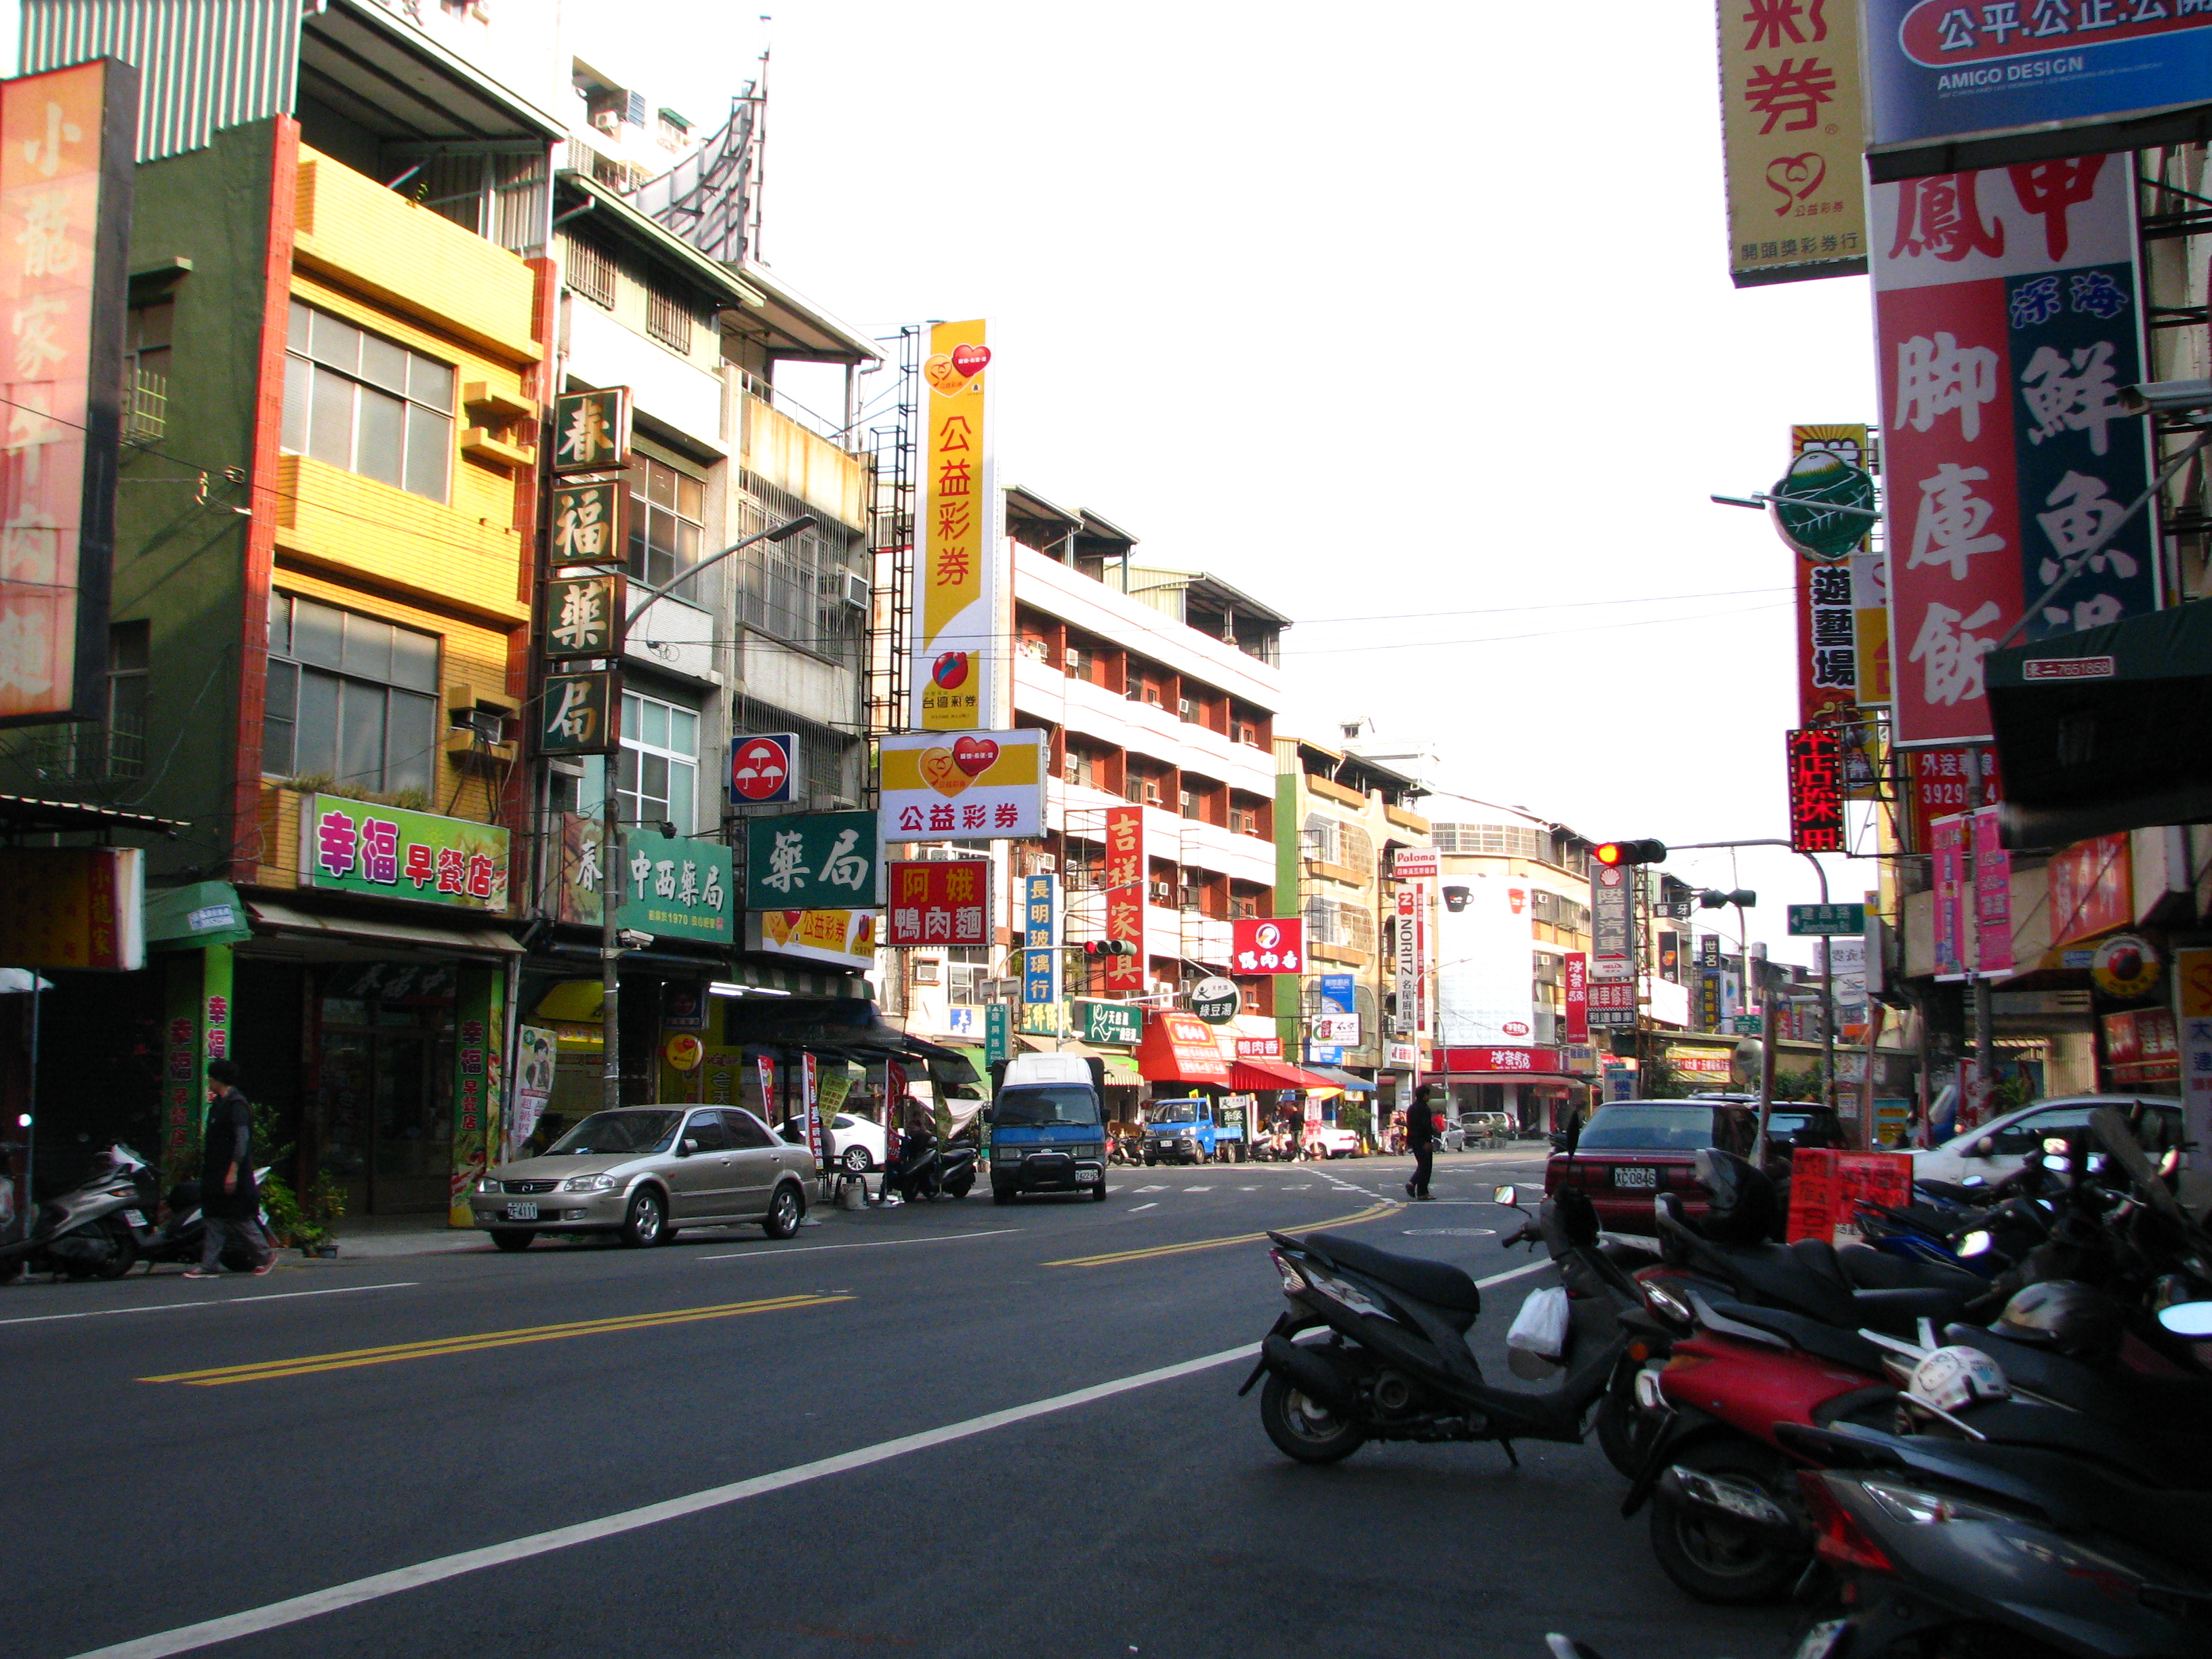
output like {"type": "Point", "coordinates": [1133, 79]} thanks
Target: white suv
{"type": "Point", "coordinates": [1998, 1147]}
{"type": "Point", "coordinates": [1331, 1140]}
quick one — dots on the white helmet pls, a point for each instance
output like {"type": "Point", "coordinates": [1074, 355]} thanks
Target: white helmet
{"type": "Point", "coordinates": [1951, 1379]}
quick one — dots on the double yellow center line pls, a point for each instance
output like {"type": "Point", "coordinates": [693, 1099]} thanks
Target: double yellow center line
{"type": "Point", "coordinates": [310, 1365]}
{"type": "Point", "coordinates": [1113, 1256]}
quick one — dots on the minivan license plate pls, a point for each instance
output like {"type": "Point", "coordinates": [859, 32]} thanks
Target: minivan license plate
{"type": "Point", "coordinates": [1635, 1174]}
{"type": "Point", "coordinates": [522, 1212]}
{"type": "Point", "coordinates": [1086, 1175]}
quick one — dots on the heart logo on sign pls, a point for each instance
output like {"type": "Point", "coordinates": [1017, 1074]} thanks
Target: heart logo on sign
{"type": "Point", "coordinates": [943, 378]}
{"type": "Point", "coordinates": [975, 755]}
{"type": "Point", "coordinates": [1795, 178]}
{"type": "Point", "coordinates": [942, 772]}
{"type": "Point", "coordinates": [970, 360]}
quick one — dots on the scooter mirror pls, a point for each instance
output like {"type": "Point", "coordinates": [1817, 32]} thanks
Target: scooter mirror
{"type": "Point", "coordinates": [2190, 1319]}
{"type": "Point", "coordinates": [1976, 1243]}
{"type": "Point", "coordinates": [1508, 1196]}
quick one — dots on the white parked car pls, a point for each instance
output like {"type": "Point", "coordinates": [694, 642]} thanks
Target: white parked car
{"type": "Point", "coordinates": [859, 1142]}
{"type": "Point", "coordinates": [1329, 1141]}
{"type": "Point", "coordinates": [1998, 1147]}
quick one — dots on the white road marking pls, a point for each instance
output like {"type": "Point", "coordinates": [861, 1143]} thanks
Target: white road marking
{"type": "Point", "coordinates": [869, 1244]}
{"type": "Point", "coordinates": [1198, 1189]}
{"type": "Point", "coordinates": [1248, 1189]}
{"type": "Point", "coordinates": [1154, 1205]}
{"type": "Point", "coordinates": [1154, 1188]}
{"type": "Point", "coordinates": [190, 1637]}
{"type": "Point", "coordinates": [205, 1302]}
{"type": "Point", "coordinates": [1302, 1187]}
{"type": "Point", "coordinates": [1537, 1266]}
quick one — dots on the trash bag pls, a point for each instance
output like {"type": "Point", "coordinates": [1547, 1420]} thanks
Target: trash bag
{"type": "Point", "coordinates": [1541, 1327]}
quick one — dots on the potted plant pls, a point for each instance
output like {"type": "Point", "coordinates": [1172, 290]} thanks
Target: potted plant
{"type": "Point", "coordinates": [320, 1206]}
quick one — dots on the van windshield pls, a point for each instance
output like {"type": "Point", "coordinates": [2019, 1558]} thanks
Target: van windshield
{"type": "Point", "coordinates": [1036, 1106]}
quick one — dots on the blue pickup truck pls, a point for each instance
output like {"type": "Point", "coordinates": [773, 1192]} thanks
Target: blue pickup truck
{"type": "Point", "coordinates": [1193, 1131]}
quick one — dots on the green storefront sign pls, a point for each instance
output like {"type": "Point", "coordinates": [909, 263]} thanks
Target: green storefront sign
{"type": "Point", "coordinates": [389, 852]}
{"type": "Point", "coordinates": [672, 887]}
{"type": "Point", "coordinates": [813, 861]}
{"type": "Point", "coordinates": [1109, 1022]}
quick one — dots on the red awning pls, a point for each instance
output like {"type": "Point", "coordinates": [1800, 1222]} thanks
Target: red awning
{"type": "Point", "coordinates": [1180, 1047]}
{"type": "Point", "coordinates": [1250, 1076]}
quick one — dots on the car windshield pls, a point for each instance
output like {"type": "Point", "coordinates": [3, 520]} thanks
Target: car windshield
{"type": "Point", "coordinates": [1174, 1111]}
{"type": "Point", "coordinates": [1649, 1128]}
{"type": "Point", "coordinates": [604, 1132]}
{"type": "Point", "coordinates": [1038, 1105]}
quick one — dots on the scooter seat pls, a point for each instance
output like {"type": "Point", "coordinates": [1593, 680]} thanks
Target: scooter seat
{"type": "Point", "coordinates": [1809, 1334]}
{"type": "Point", "coordinates": [1869, 1269]}
{"type": "Point", "coordinates": [1437, 1283]}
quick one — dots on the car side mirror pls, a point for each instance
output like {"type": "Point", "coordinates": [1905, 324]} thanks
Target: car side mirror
{"type": "Point", "coordinates": [686, 1146]}
{"type": "Point", "coordinates": [1985, 1147]}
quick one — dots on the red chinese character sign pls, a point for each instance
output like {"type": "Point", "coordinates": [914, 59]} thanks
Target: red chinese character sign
{"type": "Point", "coordinates": [939, 903]}
{"type": "Point", "coordinates": [356, 847]}
{"type": "Point", "coordinates": [2008, 318]}
{"type": "Point", "coordinates": [1816, 790]}
{"type": "Point", "coordinates": [66, 147]}
{"type": "Point", "coordinates": [1263, 945]}
{"type": "Point", "coordinates": [1124, 880]}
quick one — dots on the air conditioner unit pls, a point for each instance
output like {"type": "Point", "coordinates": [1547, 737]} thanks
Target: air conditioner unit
{"type": "Point", "coordinates": [1186, 709]}
{"type": "Point", "coordinates": [1162, 893]}
{"type": "Point", "coordinates": [608, 120]}
{"type": "Point", "coordinates": [858, 591]}
{"type": "Point", "coordinates": [1148, 791]}
{"type": "Point", "coordinates": [1040, 864]}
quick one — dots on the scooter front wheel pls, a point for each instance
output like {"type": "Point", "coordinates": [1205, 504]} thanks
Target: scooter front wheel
{"type": "Point", "coordinates": [1718, 1556]}
{"type": "Point", "coordinates": [1304, 1429]}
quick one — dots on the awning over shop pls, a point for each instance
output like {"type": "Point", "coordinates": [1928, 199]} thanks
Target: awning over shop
{"type": "Point", "coordinates": [1337, 1077]}
{"type": "Point", "coordinates": [191, 917]}
{"type": "Point", "coordinates": [796, 981]}
{"type": "Point", "coordinates": [1251, 1076]}
{"type": "Point", "coordinates": [849, 1028]}
{"type": "Point", "coordinates": [2105, 730]}
{"type": "Point", "coordinates": [1121, 1073]}
{"type": "Point", "coordinates": [25, 815]}
{"type": "Point", "coordinates": [372, 930]}
{"type": "Point", "coordinates": [1180, 1047]}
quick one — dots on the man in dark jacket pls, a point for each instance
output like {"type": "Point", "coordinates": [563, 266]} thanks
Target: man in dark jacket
{"type": "Point", "coordinates": [228, 1202]}
{"type": "Point", "coordinates": [1421, 1140]}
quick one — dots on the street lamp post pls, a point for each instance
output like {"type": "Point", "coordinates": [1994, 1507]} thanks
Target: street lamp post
{"type": "Point", "coordinates": [610, 855]}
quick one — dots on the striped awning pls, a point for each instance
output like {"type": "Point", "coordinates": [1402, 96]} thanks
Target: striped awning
{"type": "Point", "coordinates": [798, 981]}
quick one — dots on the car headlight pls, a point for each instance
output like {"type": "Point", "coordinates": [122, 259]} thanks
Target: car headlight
{"type": "Point", "coordinates": [597, 1183]}
{"type": "Point", "coordinates": [486, 1184]}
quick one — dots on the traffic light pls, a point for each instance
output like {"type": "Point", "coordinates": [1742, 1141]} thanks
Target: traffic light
{"type": "Point", "coordinates": [1632, 852]}
{"type": "Point", "coordinates": [1109, 947]}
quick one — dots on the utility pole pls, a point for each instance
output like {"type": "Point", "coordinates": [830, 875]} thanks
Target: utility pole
{"type": "Point", "coordinates": [610, 897]}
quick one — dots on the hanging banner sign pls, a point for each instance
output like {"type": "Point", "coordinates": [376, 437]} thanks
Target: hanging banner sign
{"type": "Point", "coordinates": [1040, 941]}
{"type": "Point", "coordinates": [1790, 129]}
{"type": "Point", "coordinates": [974, 785]}
{"type": "Point", "coordinates": [2008, 317]}
{"type": "Point", "coordinates": [1267, 945]}
{"type": "Point", "coordinates": [1816, 792]}
{"type": "Point", "coordinates": [1124, 876]}
{"type": "Point", "coordinates": [963, 564]}
{"type": "Point", "coordinates": [1992, 896]}
{"type": "Point", "coordinates": [591, 430]}
{"type": "Point", "coordinates": [1612, 901]}
{"type": "Point", "coordinates": [1947, 851]}
{"type": "Point", "coordinates": [1574, 976]}
{"type": "Point", "coordinates": [939, 903]}
{"type": "Point", "coordinates": [588, 522]}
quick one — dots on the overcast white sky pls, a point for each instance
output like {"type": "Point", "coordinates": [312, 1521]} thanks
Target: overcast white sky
{"type": "Point", "coordinates": [1416, 313]}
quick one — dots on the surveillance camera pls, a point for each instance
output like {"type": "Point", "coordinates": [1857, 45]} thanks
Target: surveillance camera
{"type": "Point", "coordinates": [2167, 397]}
{"type": "Point", "coordinates": [631, 939]}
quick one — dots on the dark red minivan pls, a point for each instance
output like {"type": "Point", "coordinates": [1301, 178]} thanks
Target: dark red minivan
{"type": "Point", "coordinates": [1631, 1150]}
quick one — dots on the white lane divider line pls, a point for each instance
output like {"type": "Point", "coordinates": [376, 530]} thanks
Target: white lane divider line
{"type": "Point", "coordinates": [275, 1615]}
{"type": "Point", "coordinates": [1198, 1189]}
{"type": "Point", "coordinates": [1154, 1205]}
{"type": "Point", "coordinates": [211, 1302]}
{"type": "Point", "coordinates": [1248, 1189]}
{"type": "Point", "coordinates": [1154, 1188]}
{"type": "Point", "coordinates": [867, 1244]}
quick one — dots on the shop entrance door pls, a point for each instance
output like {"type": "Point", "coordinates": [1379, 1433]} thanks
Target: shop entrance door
{"type": "Point", "coordinates": [385, 1093]}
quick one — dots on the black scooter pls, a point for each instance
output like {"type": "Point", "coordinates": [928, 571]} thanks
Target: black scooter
{"type": "Point", "coordinates": [1394, 1364]}
{"type": "Point", "coordinates": [105, 1227]}
{"type": "Point", "coordinates": [930, 1168]}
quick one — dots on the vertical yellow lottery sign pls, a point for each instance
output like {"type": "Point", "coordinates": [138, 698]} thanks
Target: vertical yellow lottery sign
{"type": "Point", "coordinates": [958, 576]}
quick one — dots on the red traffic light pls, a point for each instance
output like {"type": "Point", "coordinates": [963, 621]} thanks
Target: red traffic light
{"type": "Point", "coordinates": [1631, 852]}
{"type": "Point", "coordinates": [1109, 947]}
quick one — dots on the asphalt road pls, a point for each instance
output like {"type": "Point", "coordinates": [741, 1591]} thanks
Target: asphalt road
{"type": "Point", "coordinates": [860, 1440]}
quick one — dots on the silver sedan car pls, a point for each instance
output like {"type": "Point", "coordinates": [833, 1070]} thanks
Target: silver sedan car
{"type": "Point", "coordinates": [644, 1173]}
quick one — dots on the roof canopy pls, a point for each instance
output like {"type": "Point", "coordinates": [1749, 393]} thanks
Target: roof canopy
{"type": "Point", "coordinates": [1253, 1076]}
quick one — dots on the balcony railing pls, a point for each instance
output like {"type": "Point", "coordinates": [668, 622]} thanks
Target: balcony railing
{"type": "Point", "coordinates": [89, 752]}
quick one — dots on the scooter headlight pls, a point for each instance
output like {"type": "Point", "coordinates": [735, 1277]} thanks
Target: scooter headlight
{"type": "Point", "coordinates": [1667, 1304]}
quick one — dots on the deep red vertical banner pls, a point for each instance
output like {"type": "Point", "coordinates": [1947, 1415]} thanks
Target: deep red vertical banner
{"type": "Point", "coordinates": [1125, 895]}
{"type": "Point", "coordinates": [1577, 984]}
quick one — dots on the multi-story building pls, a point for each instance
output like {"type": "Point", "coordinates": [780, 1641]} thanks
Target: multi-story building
{"type": "Point", "coordinates": [1157, 688]}
{"type": "Point", "coordinates": [1514, 910]}
{"type": "Point", "coordinates": [1341, 819]}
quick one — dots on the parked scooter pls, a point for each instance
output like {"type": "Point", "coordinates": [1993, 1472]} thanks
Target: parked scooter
{"type": "Point", "coordinates": [929, 1168]}
{"type": "Point", "coordinates": [1394, 1364]}
{"type": "Point", "coordinates": [105, 1227]}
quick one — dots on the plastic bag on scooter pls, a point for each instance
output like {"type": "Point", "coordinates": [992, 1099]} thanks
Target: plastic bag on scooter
{"type": "Point", "coordinates": [1541, 1327]}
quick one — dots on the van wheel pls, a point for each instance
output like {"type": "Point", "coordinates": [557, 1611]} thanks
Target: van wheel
{"type": "Point", "coordinates": [1099, 1193]}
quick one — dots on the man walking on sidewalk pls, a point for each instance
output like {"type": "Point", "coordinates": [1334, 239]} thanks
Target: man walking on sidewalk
{"type": "Point", "coordinates": [228, 1202]}
{"type": "Point", "coordinates": [1421, 1140]}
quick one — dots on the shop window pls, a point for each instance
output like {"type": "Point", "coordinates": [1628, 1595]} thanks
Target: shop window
{"type": "Point", "coordinates": [669, 319]}
{"type": "Point", "coordinates": [659, 781]}
{"type": "Point", "coordinates": [147, 331]}
{"type": "Point", "coordinates": [368, 405]}
{"type": "Point", "coordinates": [350, 698]}
{"type": "Point", "coordinates": [592, 271]}
{"type": "Point", "coordinates": [667, 508]}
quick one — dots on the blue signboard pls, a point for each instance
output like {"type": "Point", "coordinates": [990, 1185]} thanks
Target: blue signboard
{"type": "Point", "coordinates": [1952, 86]}
{"type": "Point", "coordinates": [1336, 996]}
{"type": "Point", "coordinates": [1040, 939]}
{"type": "Point", "coordinates": [1324, 1054]}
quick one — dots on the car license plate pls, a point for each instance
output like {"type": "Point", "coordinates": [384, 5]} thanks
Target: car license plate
{"type": "Point", "coordinates": [1634, 1175]}
{"type": "Point", "coordinates": [1086, 1175]}
{"type": "Point", "coordinates": [134, 1217]}
{"type": "Point", "coordinates": [1824, 1640]}
{"type": "Point", "coordinates": [522, 1212]}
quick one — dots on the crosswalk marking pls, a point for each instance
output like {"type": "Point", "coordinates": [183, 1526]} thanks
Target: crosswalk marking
{"type": "Point", "coordinates": [1151, 1190]}
{"type": "Point", "coordinates": [1198, 1189]}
